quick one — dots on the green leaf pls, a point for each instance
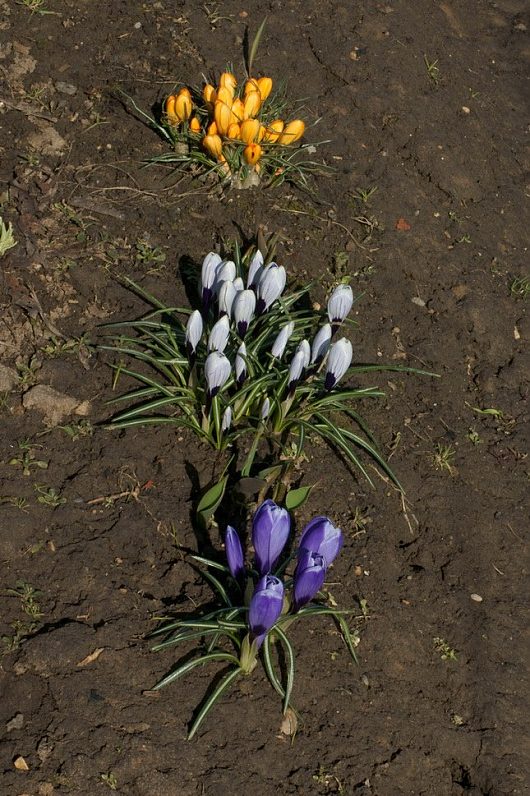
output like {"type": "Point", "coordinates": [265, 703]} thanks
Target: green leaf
{"type": "Point", "coordinates": [187, 667]}
{"type": "Point", "coordinates": [290, 666]}
{"type": "Point", "coordinates": [212, 699]}
{"type": "Point", "coordinates": [346, 635]}
{"type": "Point", "coordinates": [297, 497]}
{"type": "Point", "coordinates": [211, 499]}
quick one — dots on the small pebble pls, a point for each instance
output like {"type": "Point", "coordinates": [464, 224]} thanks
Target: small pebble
{"type": "Point", "coordinates": [66, 88]}
{"type": "Point", "coordinates": [137, 25]}
{"type": "Point", "coordinates": [465, 109]}
{"type": "Point", "coordinates": [476, 598]}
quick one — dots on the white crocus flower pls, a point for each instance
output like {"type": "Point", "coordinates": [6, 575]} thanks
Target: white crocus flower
{"type": "Point", "coordinates": [210, 265]}
{"type": "Point", "coordinates": [321, 343]}
{"type": "Point", "coordinates": [227, 294]}
{"type": "Point", "coordinates": [270, 286]}
{"type": "Point", "coordinates": [216, 372]}
{"type": "Point", "coordinates": [296, 369]}
{"type": "Point", "coordinates": [265, 409]}
{"type": "Point", "coordinates": [240, 364]}
{"type": "Point", "coordinates": [226, 272]}
{"type": "Point", "coordinates": [254, 269]}
{"type": "Point", "coordinates": [243, 310]}
{"type": "Point", "coordinates": [219, 334]}
{"type": "Point", "coordinates": [194, 329]}
{"type": "Point", "coordinates": [239, 284]}
{"type": "Point", "coordinates": [227, 419]}
{"type": "Point", "coordinates": [339, 360]}
{"type": "Point", "coordinates": [340, 303]}
{"type": "Point", "coordinates": [305, 348]}
{"type": "Point", "coordinates": [278, 347]}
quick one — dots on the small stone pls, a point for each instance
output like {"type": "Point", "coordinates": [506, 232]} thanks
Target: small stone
{"type": "Point", "coordinates": [54, 405]}
{"type": "Point", "coordinates": [465, 109]}
{"type": "Point", "coordinates": [66, 88]}
{"type": "Point", "coordinates": [137, 25]}
{"type": "Point", "coordinates": [44, 749]}
{"type": "Point", "coordinates": [418, 301]}
{"type": "Point", "coordinates": [16, 723]}
{"type": "Point", "coordinates": [8, 378]}
{"type": "Point", "coordinates": [20, 764]}
{"type": "Point", "coordinates": [476, 598]}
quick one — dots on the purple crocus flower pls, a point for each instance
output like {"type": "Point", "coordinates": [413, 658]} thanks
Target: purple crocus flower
{"type": "Point", "coordinates": [308, 576]}
{"type": "Point", "coordinates": [234, 553]}
{"type": "Point", "coordinates": [322, 537]}
{"type": "Point", "coordinates": [265, 606]}
{"type": "Point", "coordinates": [270, 530]}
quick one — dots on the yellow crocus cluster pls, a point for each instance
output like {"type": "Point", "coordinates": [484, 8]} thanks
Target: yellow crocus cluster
{"type": "Point", "coordinates": [232, 117]}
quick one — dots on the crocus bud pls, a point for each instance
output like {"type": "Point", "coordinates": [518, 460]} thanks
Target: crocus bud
{"type": "Point", "coordinates": [195, 125]}
{"type": "Point", "coordinates": [278, 347]}
{"type": "Point", "coordinates": [169, 108]}
{"type": "Point", "coordinates": [225, 96]}
{"type": "Point", "coordinates": [271, 527]}
{"type": "Point", "coordinates": [212, 129]}
{"type": "Point", "coordinates": [270, 286]}
{"type": "Point", "coordinates": [222, 114]}
{"type": "Point", "coordinates": [251, 104]}
{"type": "Point", "coordinates": [243, 310]}
{"type": "Point", "coordinates": [322, 537]}
{"type": "Point", "coordinates": [339, 360]}
{"type": "Point", "coordinates": [252, 153]}
{"type": "Point", "coordinates": [296, 368]}
{"type": "Point", "coordinates": [208, 277]}
{"type": "Point", "coordinates": [238, 109]}
{"type": "Point", "coordinates": [261, 133]}
{"type": "Point", "coordinates": [308, 576]}
{"type": "Point", "coordinates": [240, 364]}
{"type": "Point", "coordinates": [305, 349]}
{"type": "Point", "coordinates": [227, 293]}
{"type": "Point", "coordinates": [234, 553]}
{"type": "Point", "coordinates": [234, 131]}
{"type": "Point", "coordinates": [213, 145]}
{"type": "Point", "coordinates": [228, 81]}
{"type": "Point", "coordinates": [226, 271]}
{"type": "Point", "coordinates": [265, 606]}
{"type": "Point", "coordinates": [227, 419]}
{"type": "Point", "coordinates": [292, 132]}
{"type": "Point", "coordinates": [274, 131]}
{"type": "Point", "coordinates": [239, 284]}
{"type": "Point", "coordinates": [250, 130]}
{"type": "Point", "coordinates": [218, 337]}
{"type": "Point", "coordinates": [264, 87]}
{"type": "Point", "coordinates": [216, 372]}
{"type": "Point", "coordinates": [209, 94]}
{"type": "Point", "coordinates": [250, 85]}
{"type": "Point", "coordinates": [321, 344]}
{"type": "Point", "coordinates": [183, 104]}
{"type": "Point", "coordinates": [265, 409]}
{"type": "Point", "coordinates": [255, 268]}
{"type": "Point", "coordinates": [339, 304]}
{"type": "Point", "coordinates": [194, 329]}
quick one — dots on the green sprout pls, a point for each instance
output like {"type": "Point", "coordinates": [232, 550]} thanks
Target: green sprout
{"type": "Point", "coordinates": [442, 458]}
{"type": "Point", "coordinates": [49, 496]}
{"type": "Point", "coordinates": [433, 70]}
{"type": "Point", "coordinates": [26, 458]}
{"type": "Point", "coordinates": [7, 239]}
{"type": "Point", "coordinates": [274, 386]}
{"type": "Point", "coordinates": [447, 653]}
{"type": "Point", "coordinates": [520, 287]}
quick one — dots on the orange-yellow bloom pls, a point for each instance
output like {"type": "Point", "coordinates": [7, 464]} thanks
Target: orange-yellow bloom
{"type": "Point", "coordinates": [224, 95]}
{"type": "Point", "coordinates": [222, 114]}
{"type": "Point", "coordinates": [228, 80]}
{"type": "Point", "coordinates": [213, 145]}
{"type": "Point", "coordinates": [183, 104]}
{"type": "Point", "coordinates": [212, 129]}
{"type": "Point", "coordinates": [252, 153]}
{"type": "Point", "coordinates": [234, 131]}
{"type": "Point", "coordinates": [250, 130]}
{"type": "Point", "coordinates": [251, 104]}
{"type": "Point", "coordinates": [261, 134]}
{"type": "Point", "coordinates": [195, 125]}
{"type": "Point", "coordinates": [264, 87]}
{"type": "Point", "coordinates": [209, 94]}
{"type": "Point", "coordinates": [238, 109]}
{"type": "Point", "coordinates": [274, 130]}
{"type": "Point", "coordinates": [250, 85]}
{"type": "Point", "coordinates": [292, 132]}
{"type": "Point", "coordinates": [172, 117]}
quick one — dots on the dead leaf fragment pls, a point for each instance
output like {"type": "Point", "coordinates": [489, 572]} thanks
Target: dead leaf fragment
{"type": "Point", "coordinates": [402, 225]}
{"type": "Point", "coordinates": [92, 657]}
{"type": "Point", "coordinates": [20, 764]}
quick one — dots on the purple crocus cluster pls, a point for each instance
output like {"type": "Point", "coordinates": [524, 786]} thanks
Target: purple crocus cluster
{"type": "Point", "coordinates": [319, 545]}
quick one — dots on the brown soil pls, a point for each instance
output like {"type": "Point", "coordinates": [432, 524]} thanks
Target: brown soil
{"type": "Point", "coordinates": [435, 250]}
